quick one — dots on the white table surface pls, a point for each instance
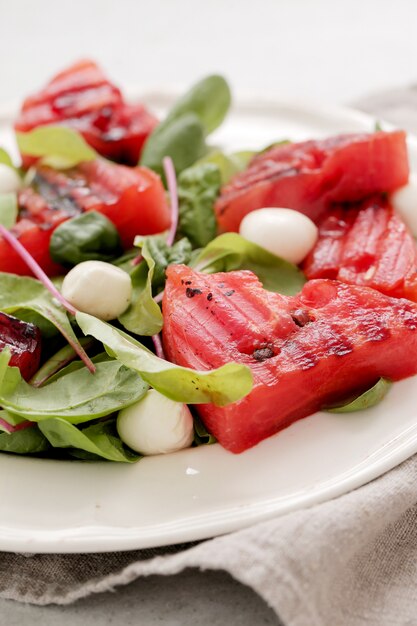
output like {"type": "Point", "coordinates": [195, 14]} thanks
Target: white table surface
{"type": "Point", "coordinates": [313, 50]}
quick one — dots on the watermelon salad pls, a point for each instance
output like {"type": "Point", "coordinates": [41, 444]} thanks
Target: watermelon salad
{"type": "Point", "coordinates": [157, 293]}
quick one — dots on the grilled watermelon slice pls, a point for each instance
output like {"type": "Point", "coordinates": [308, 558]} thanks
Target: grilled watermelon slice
{"type": "Point", "coordinates": [305, 352]}
{"type": "Point", "coordinates": [83, 98]}
{"type": "Point", "coordinates": [366, 245]}
{"type": "Point", "coordinates": [311, 175]}
{"type": "Point", "coordinates": [132, 198]}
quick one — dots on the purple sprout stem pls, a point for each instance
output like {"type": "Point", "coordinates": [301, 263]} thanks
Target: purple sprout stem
{"type": "Point", "coordinates": [158, 346]}
{"type": "Point", "coordinates": [48, 284]}
{"type": "Point", "coordinates": [171, 179]}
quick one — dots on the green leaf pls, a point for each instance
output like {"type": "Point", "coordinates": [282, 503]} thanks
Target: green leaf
{"type": "Point", "coordinates": [89, 236]}
{"type": "Point", "coordinates": [232, 252]}
{"type": "Point", "coordinates": [164, 255]}
{"type": "Point", "coordinates": [201, 435]}
{"type": "Point", "coordinates": [209, 99]}
{"type": "Point", "coordinates": [143, 317]}
{"type": "Point", "coordinates": [26, 441]}
{"type": "Point", "coordinates": [182, 134]}
{"type": "Point", "coordinates": [369, 398]}
{"type": "Point", "coordinates": [8, 209]}
{"type": "Point", "coordinates": [198, 188]}
{"type": "Point", "coordinates": [57, 362]}
{"type": "Point", "coordinates": [228, 164]}
{"type": "Point", "coordinates": [21, 293]}
{"type": "Point", "coordinates": [5, 158]}
{"type": "Point", "coordinates": [77, 397]}
{"type": "Point", "coordinates": [99, 439]}
{"type": "Point", "coordinates": [221, 386]}
{"type": "Point", "coordinates": [60, 146]}
{"type": "Point", "coordinates": [182, 140]}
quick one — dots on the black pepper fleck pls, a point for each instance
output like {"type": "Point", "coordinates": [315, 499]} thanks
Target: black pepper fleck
{"type": "Point", "coordinates": [190, 293]}
{"type": "Point", "coordinates": [209, 296]}
{"type": "Point", "coordinates": [261, 354]}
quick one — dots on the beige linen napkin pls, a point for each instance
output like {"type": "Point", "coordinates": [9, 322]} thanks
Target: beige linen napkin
{"type": "Point", "coordinates": [347, 562]}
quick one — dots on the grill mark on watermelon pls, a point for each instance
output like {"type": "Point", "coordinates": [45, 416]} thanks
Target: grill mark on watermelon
{"type": "Point", "coordinates": [56, 197]}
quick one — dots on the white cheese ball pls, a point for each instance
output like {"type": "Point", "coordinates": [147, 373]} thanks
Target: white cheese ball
{"type": "Point", "coordinates": [9, 179]}
{"type": "Point", "coordinates": [404, 202]}
{"type": "Point", "coordinates": [98, 288]}
{"type": "Point", "coordinates": [286, 233]}
{"type": "Point", "coordinates": [156, 425]}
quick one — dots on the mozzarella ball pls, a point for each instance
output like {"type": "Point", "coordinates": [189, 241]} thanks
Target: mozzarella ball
{"type": "Point", "coordinates": [98, 288]}
{"type": "Point", "coordinates": [9, 179]}
{"type": "Point", "coordinates": [404, 202]}
{"type": "Point", "coordinates": [156, 425]}
{"type": "Point", "coordinates": [286, 233]}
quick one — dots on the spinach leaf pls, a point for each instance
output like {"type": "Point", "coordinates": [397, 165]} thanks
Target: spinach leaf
{"type": "Point", "coordinates": [89, 236]}
{"type": "Point", "coordinates": [198, 188]}
{"type": "Point", "coordinates": [77, 397]}
{"type": "Point", "coordinates": [182, 140]}
{"type": "Point", "coordinates": [164, 255]}
{"type": "Point", "coordinates": [194, 116]}
{"type": "Point", "coordinates": [232, 252]}
{"type": "Point", "coordinates": [369, 398]}
{"type": "Point", "coordinates": [8, 209]}
{"type": "Point", "coordinates": [61, 147]}
{"type": "Point", "coordinates": [201, 435]}
{"type": "Point", "coordinates": [143, 317]}
{"type": "Point", "coordinates": [26, 441]}
{"type": "Point", "coordinates": [5, 158]}
{"type": "Point", "coordinates": [228, 164]}
{"type": "Point", "coordinates": [221, 386]}
{"type": "Point", "coordinates": [58, 362]}
{"type": "Point", "coordinates": [21, 293]}
{"type": "Point", "coordinates": [99, 439]}
{"type": "Point", "coordinates": [209, 99]}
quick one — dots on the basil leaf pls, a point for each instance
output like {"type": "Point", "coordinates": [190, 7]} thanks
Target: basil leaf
{"type": "Point", "coordinates": [99, 439]}
{"type": "Point", "coordinates": [230, 252]}
{"type": "Point", "coordinates": [198, 188]}
{"type": "Point", "coordinates": [221, 386]}
{"type": "Point", "coordinates": [89, 236]}
{"type": "Point", "coordinates": [8, 209]}
{"type": "Point", "coordinates": [21, 293]}
{"type": "Point", "coordinates": [5, 158]}
{"type": "Point", "coordinates": [182, 140]}
{"type": "Point", "coordinates": [228, 164]}
{"type": "Point", "coordinates": [26, 441]}
{"type": "Point", "coordinates": [61, 147]}
{"type": "Point", "coordinates": [366, 400]}
{"type": "Point", "coordinates": [143, 317]}
{"type": "Point", "coordinates": [209, 99]}
{"type": "Point", "coordinates": [78, 397]}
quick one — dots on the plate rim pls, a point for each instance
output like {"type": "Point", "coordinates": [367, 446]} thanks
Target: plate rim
{"type": "Point", "coordinates": [99, 538]}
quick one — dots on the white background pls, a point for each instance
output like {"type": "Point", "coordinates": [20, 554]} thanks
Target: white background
{"type": "Point", "coordinates": [334, 50]}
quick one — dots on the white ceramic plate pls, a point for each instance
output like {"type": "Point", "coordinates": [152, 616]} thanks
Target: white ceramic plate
{"type": "Point", "coordinates": [49, 506]}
